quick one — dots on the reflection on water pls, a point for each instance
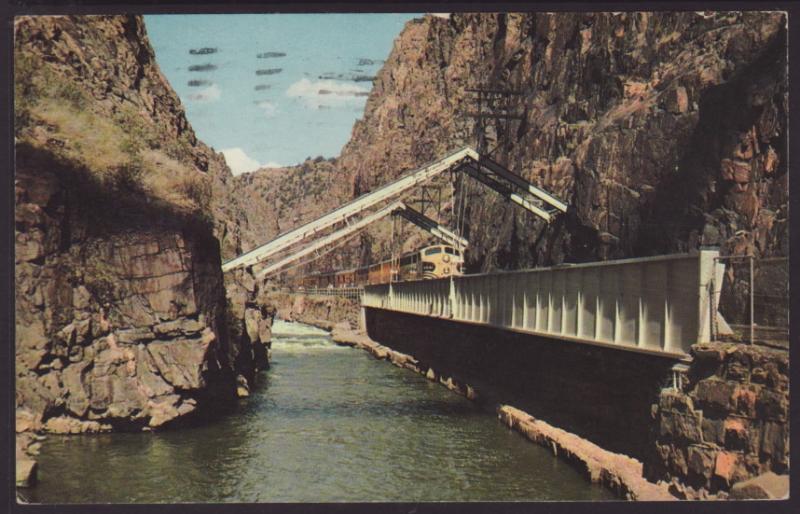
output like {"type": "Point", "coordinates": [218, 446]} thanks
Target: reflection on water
{"type": "Point", "coordinates": [328, 424]}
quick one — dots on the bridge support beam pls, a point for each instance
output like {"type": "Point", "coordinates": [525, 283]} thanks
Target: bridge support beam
{"type": "Point", "coordinates": [660, 305]}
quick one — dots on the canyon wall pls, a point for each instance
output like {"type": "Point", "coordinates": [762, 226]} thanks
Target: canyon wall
{"type": "Point", "coordinates": [280, 199]}
{"type": "Point", "coordinates": [663, 131]}
{"type": "Point", "coordinates": [122, 218]}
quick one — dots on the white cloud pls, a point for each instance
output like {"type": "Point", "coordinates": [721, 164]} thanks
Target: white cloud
{"type": "Point", "coordinates": [272, 164]}
{"type": "Point", "coordinates": [238, 161]}
{"type": "Point", "coordinates": [210, 94]}
{"type": "Point", "coordinates": [326, 93]}
{"type": "Point", "coordinates": [269, 108]}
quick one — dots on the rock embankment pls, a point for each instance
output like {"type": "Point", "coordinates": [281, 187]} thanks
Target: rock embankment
{"type": "Point", "coordinates": [619, 473]}
{"type": "Point", "coordinates": [728, 423]}
{"type": "Point", "coordinates": [27, 447]}
{"type": "Point", "coordinates": [323, 312]}
{"type": "Point", "coordinates": [122, 217]}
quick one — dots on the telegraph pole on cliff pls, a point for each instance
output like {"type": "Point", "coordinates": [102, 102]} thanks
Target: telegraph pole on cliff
{"type": "Point", "coordinates": [495, 104]}
{"type": "Point", "coordinates": [490, 103]}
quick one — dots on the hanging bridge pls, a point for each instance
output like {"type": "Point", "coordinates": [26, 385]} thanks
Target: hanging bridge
{"type": "Point", "coordinates": [510, 186]}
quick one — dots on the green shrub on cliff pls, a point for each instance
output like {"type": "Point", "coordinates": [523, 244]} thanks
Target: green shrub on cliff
{"type": "Point", "coordinates": [34, 81]}
{"type": "Point", "coordinates": [115, 141]}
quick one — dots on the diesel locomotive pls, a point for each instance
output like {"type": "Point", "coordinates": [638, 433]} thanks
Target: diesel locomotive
{"type": "Point", "coordinates": [435, 261]}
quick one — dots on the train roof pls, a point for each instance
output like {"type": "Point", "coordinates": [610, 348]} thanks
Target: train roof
{"type": "Point", "coordinates": [407, 254]}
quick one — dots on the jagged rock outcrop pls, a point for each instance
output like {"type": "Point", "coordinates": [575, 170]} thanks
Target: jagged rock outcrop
{"type": "Point", "coordinates": [122, 217]}
{"type": "Point", "coordinates": [250, 317]}
{"type": "Point", "coordinates": [110, 331]}
{"type": "Point", "coordinates": [728, 423]}
{"type": "Point", "coordinates": [663, 131]}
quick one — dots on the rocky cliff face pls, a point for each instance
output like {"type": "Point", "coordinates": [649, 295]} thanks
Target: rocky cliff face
{"type": "Point", "coordinates": [280, 199]}
{"type": "Point", "coordinates": [728, 422]}
{"type": "Point", "coordinates": [122, 216]}
{"type": "Point", "coordinates": [663, 131]}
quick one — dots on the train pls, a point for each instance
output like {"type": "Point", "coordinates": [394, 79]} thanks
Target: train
{"type": "Point", "coordinates": [435, 261]}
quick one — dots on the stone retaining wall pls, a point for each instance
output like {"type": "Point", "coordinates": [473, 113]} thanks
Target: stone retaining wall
{"type": "Point", "coordinates": [728, 423]}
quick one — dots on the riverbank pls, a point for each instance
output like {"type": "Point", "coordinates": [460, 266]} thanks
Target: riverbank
{"type": "Point", "coordinates": [323, 312]}
{"type": "Point", "coordinates": [327, 424]}
{"type": "Point", "coordinates": [27, 448]}
{"type": "Point", "coordinates": [620, 474]}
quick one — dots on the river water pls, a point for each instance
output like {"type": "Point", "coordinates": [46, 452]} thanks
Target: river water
{"type": "Point", "coordinates": [326, 424]}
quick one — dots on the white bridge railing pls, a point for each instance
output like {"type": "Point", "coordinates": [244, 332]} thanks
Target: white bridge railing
{"type": "Point", "coordinates": [344, 292]}
{"type": "Point", "coordinates": [656, 305]}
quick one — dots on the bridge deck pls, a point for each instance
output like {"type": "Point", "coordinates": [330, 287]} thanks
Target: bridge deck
{"type": "Point", "coordinates": [660, 305]}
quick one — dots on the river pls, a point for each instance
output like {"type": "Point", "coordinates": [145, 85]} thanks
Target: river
{"type": "Point", "coordinates": [326, 424]}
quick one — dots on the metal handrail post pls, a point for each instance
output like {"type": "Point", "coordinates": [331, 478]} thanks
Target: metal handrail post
{"type": "Point", "coordinates": [752, 301]}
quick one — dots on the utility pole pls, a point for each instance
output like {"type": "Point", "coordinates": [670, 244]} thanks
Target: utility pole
{"type": "Point", "coordinates": [490, 103]}
{"type": "Point", "coordinates": [494, 104]}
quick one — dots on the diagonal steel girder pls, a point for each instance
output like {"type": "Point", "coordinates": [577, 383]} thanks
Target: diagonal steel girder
{"type": "Point", "coordinates": [521, 183]}
{"type": "Point", "coordinates": [349, 209]}
{"type": "Point", "coordinates": [426, 223]}
{"type": "Point", "coordinates": [395, 208]}
{"type": "Point", "coordinates": [330, 239]}
{"type": "Point", "coordinates": [504, 190]}
{"type": "Point", "coordinates": [481, 168]}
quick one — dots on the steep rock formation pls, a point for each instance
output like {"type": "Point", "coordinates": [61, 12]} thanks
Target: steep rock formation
{"type": "Point", "coordinates": [728, 422]}
{"type": "Point", "coordinates": [122, 216]}
{"type": "Point", "coordinates": [280, 199]}
{"type": "Point", "coordinates": [250, 318]}
{"type": "Point", "coordinates": [663, 131]}
{"type": "Point", "coordinates": [110, 330]}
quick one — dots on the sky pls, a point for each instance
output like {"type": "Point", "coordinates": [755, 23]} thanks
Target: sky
{"type": "Point", "coordinates": [273, 89]}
